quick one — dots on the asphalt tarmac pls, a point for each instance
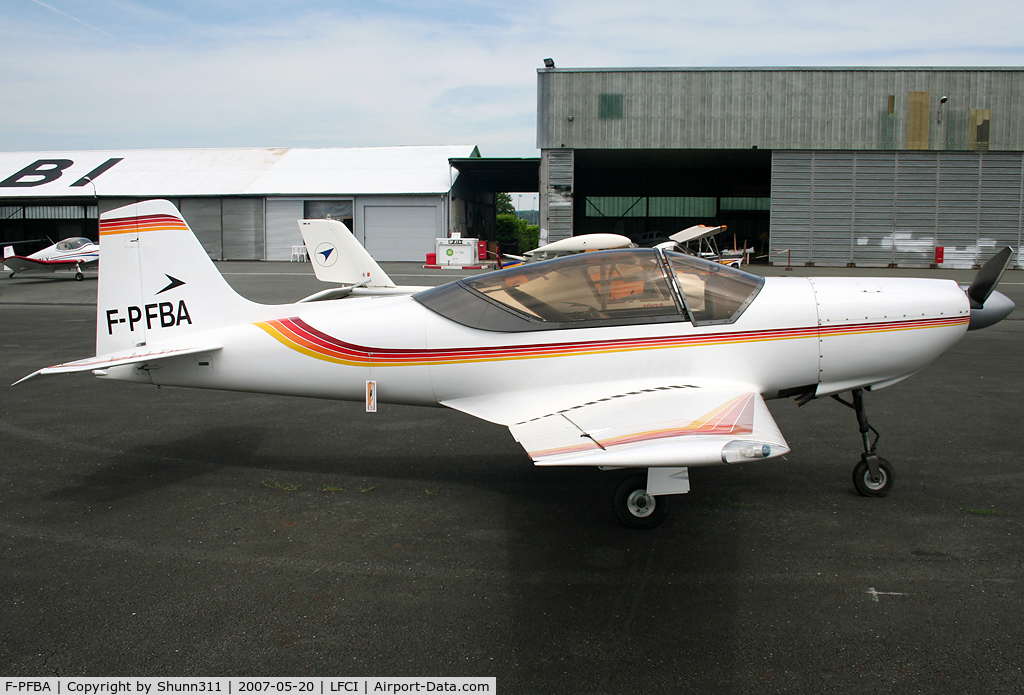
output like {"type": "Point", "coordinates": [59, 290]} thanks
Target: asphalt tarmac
{"type": "Point", "coordinates": [152, 532]}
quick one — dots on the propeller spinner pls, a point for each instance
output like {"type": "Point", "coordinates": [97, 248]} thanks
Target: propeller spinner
{"type": "Point", "coordinates": [987, 305]}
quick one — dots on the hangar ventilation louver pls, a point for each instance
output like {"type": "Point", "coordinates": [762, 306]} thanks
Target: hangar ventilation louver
{"type": "Point", "coordinates": [49, 212]}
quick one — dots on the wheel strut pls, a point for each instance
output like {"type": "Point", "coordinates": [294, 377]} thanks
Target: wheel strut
{"type": "Point", "coordinates": [878, 477]}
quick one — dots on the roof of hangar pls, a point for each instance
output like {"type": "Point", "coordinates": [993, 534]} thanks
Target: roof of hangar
{"type": "Point", "coordinates": [255, 171]}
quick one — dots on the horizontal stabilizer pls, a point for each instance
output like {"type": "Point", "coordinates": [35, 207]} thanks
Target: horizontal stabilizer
{"type": "Point", "coordinates": [117, 359]}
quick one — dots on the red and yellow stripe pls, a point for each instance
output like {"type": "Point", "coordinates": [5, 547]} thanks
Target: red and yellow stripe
{"type": "Point", "coordinates": [734, 417]}
{"type": "Point", "coordinates": [142, 223]}
{"type": "Point", "coordinates": [298, 335]}
{"type": "Point", "coordinates": [886, 326]}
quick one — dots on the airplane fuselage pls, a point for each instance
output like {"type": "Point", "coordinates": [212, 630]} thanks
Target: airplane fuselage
{"type": "Point", "coordinates": [829, 334]}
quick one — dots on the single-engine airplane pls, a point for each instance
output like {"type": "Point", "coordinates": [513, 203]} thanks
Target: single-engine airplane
{"type": "Point", "coordinates": [611, 359]}
{"type": "Point", "coordinates": [76, 253]}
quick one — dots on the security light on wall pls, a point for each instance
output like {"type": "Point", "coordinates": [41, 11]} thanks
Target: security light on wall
{"type": "Point", "coordinates": [549, 63]}
{"type": "Point", "coordinates": [942, 101]}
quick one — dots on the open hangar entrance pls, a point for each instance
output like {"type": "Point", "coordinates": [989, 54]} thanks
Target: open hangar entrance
{"type": "Point", "coordinates": [40, 223]}
{"type": "Point", "coordinates": [473, 209]}
{"type": "Point", "coordinates": [649, 194]}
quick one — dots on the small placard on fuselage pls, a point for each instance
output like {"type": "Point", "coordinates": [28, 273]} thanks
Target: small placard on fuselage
{"type": "Point", "coordinates": [371, 396]}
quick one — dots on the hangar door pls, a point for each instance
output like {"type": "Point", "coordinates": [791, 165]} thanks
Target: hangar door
{"type": "Point", "coordinates": [400, 232]}
{"type": "Point", "coordinates": [282, 228]}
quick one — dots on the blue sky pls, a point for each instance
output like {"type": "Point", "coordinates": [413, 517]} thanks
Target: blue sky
{"type": "Point", "coordinates": [114, 74]}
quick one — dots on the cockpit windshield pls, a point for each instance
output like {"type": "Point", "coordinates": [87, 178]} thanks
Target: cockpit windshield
{"type": "Point", "coordinates": [72, 243]}
{"type": "Point", "coordinates": [608, 285]}
{"type": "Point", "coordinates": [603, 288]}
{"type": "Point", "coordinates": [713, 292]}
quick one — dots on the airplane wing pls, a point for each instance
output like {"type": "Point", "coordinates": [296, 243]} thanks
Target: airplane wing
{"type": "Point", "coordinates": [20, 264]}
{"type": "Point", "coordinates": [117, 359]}
{"type": "Point", "coordinates": [697, 231]}
{"type": "Point", "coordinates": [639, 425]}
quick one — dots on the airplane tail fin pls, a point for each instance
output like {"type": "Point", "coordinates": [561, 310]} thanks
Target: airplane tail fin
{"type": "Point", "coordinates": [157, 282]}
{"type": "Point", "coordinates": [337, 256]}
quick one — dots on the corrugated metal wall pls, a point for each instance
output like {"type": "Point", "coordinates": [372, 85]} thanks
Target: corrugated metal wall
{"type": "Point", "coordinates": [556, 175]}
{"type": "Point", "coordinates": [787, 108]}
{"type": "Point", "coordinates": [242, 224]}
{"type": "Point", "coordinates": [282, 227]}
{"type": "Point", "coordinates": [894, 208]}
{"type": "Point", "coordinates": [204, 217]}
{"type": "Point", "coordinates": [229, 228]}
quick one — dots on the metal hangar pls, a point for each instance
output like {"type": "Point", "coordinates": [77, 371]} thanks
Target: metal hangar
{"type": "Point", "coordinates": [243, 203]}
{"type": "Point", "coordinates": [826, 166]}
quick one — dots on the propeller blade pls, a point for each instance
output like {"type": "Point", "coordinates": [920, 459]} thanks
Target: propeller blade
{"type": "Point", "coordinates": [988, 277]}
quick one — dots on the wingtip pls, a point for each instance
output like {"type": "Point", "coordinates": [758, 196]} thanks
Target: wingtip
{"type": "Point", "coordinates": [26, 378]}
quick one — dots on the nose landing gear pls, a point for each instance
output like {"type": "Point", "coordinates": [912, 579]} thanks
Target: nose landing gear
{"type": "Point", "coordinates": [873, 476]}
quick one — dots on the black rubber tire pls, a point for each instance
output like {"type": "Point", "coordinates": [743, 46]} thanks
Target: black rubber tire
{"type": "Point", "coordinates": [634, 508]}
{"type": "Point", "coordinates": [79, 276]}
{"type": "Point", "coordinates": [865, 486]}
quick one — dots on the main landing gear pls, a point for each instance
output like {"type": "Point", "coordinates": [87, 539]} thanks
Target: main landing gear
{"type": "Point", "coordinates": [873, 476]}
{"type": "Point", "coordinates": [636, 508]}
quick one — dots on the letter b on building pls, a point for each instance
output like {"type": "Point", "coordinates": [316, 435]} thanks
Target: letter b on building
{"type": "Point", "coordinates": [36, 174]}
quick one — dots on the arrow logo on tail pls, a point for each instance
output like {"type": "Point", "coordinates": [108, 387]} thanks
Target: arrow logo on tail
{"type": "Point", "coordinates": [174, 282]}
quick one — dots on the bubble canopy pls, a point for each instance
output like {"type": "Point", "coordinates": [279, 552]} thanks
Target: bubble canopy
{"type": "Point", "coordinates": [605, 288]}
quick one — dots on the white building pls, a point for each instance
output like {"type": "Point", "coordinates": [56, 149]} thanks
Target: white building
{"type": "Point", "coordinates": [243, 203]}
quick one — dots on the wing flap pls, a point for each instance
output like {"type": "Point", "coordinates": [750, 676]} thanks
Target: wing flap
{"type": "Point", "coordinates": [676, 427]}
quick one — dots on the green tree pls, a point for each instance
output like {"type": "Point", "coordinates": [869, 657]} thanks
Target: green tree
{"type": "Point", "coordinates": [515, 235]}
{"type": "Point", "coordinates": [503, 204]}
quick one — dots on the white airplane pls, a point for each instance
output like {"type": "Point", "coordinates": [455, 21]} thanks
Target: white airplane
{"type": "Point", "coordinates": [76, 253]}
{"type": "Point", "coordinates": [584, 243]}
{"type": "Point", "coordinates": [337, 256]}
{"type": "Point", "coordinates": [611, 359]}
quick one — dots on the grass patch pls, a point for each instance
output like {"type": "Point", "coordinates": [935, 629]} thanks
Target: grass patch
{"type": "Point", "coordinates": [274, 485]}
{"type": "Point", "coordinates": [367, 488]}
{"type": "Point", "coordinates": [986, 512]}
{"type": "Point", "coordinates": [331, 488]}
